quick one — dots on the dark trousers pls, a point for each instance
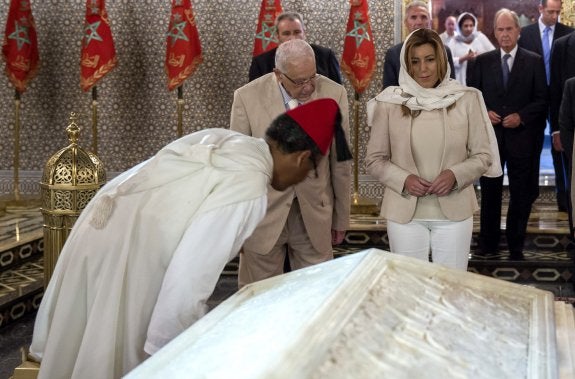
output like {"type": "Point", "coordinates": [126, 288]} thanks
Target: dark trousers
{"type": "Point", "coordinates": [559, 163]}
{"type": "Point", "coordinates": [539, 142]}
{"type": "Point", "coordinates": [561, 191]}
{"type": "Point", "coordinates": [519, 173]}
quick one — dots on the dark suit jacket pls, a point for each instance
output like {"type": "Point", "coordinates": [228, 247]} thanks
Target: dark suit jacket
{"type": "Point", "coordinates": [526, 94]}
{"type": "Point", "coordinates": [531, 40]}
{"type": "Point", "coordinates": [391, 65]}
{"type": "Point", "coordinates": [531, 36]}
{"type": "Point", "coordinates": [567, 119]}
{"type": "Point", "coordinates": [562, 68]}
{"type": "Point", "coordinates": [325, 61]}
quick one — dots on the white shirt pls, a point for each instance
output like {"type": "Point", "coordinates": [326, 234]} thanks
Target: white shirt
{"type": "Point", "coordinates": [542, 27]}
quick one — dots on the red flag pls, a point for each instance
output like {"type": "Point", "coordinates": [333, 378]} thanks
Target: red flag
{"type": "Point", "coordinates": [266, 37]}
{"type": "Point", "coordinates": [358, 59]}
{"type": "Point", "coordinates": [184, 50]}
{"type": "Point", "coordinates": [98, 51]}
{"type": "Point", "coordinates": [20, 46]}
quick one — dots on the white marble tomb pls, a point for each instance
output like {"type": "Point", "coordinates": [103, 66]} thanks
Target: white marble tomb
{"type": "Point", "coordinates": [372, 315]}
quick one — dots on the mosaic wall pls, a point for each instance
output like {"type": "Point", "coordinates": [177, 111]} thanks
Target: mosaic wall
{"type": "Point", "coordinates": [137, 114]}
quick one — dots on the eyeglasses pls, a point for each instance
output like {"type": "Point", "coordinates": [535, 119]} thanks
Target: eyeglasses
{"type": "Point", "coordinates": [301, 83]}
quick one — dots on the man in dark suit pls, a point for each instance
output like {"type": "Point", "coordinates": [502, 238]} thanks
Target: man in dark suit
{"type": "Point", "coordinates": [566, 119]}
{"type": "Point", "coordinates": [539, 38]}
{"type": "Point", "coordinates": [289, 25]}
{"type": "Point", "coordinates": [513, 83]}
{"type": "Point", "coordinates": [416, 17]}
{"type": "Point", "coordinates": [562, 69]}
{"type": "Point", "coordinates": [567, 127]}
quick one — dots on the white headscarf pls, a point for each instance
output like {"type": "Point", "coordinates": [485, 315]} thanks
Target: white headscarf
{"type": "Point", "coordinates": [416, 97]}
{"type": "Point", "coordinates": [410, 94]}
{"type": "Point", "coordinates": [459, 34]}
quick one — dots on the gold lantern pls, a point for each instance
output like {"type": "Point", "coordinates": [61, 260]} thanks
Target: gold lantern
{"type": "Point", "coordinates": [71, 178]}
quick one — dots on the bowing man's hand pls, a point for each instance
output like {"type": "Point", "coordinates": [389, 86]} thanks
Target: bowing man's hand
{"type": "Point", "coordinates": [443, 184]}
{"type": "Point", "coordinates": [416, 186]}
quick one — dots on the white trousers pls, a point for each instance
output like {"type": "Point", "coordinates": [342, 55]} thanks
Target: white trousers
{"type": "Point", "coordinates": [449, 241]}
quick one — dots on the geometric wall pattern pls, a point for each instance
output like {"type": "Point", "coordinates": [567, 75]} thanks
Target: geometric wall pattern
{"type": "Point", "coordinates": [137, 114]}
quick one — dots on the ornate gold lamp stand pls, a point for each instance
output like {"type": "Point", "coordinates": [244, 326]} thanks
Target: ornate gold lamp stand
{"type": "Point", "coordinates": [71, 178]}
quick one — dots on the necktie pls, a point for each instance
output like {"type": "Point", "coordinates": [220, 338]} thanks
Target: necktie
{"type": "Point", "coordinates": [505, 69]}
{"type": "Point", "coordinates": [293, 103]}
{"type": "Point", "coordinates": [546, 50]}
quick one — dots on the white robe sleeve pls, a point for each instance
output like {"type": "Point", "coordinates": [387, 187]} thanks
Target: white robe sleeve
{"type": "Point", "coordinates": [211, 241]}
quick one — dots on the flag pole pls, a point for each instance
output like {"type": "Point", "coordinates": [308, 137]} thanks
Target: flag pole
{"type": "Point", "coordinates": [17, 199]}
{"type": "Point", "coordinates": [16, 145]}
{"type": "Point", "coordinates": [359, 205]}
{"type": "Point", "coordinates": [356, 146]}
{"type": "Point", "coordinates": [180, 110]}
{"type": "Point", "coordinates": [95, 120]}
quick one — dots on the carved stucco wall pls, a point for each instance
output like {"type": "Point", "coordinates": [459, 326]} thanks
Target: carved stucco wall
{"type": "Point", "coordinates": [137, 113]}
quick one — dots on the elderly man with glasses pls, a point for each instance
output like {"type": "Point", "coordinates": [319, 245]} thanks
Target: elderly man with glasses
{"type": "Point", "coordinates": [303, 221]}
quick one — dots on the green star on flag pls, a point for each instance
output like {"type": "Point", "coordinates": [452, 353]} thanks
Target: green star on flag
{"type": "Point", "coordinates": [179, 32]}
{"type": "Point", "coordinates": [359, 31]}
{"type": "Point", "coordinates": [358, 58]}
{"type": "Point", "coordinates": [91, 31]}
{"type": "Point", "coordinates": [20, 35]}
{"type": "Point", "coordinates": [267, 35]}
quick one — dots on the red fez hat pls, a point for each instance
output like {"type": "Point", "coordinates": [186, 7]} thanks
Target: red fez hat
{"type": "Point", "coordinates": [319, 119]}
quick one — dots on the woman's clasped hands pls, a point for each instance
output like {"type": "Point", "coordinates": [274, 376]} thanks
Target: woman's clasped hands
{"type": "Point", "coordinates": [441, 186]}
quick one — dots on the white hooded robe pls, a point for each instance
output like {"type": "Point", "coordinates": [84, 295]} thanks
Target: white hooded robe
{"type": "Point", "coordinates": [147, 252]}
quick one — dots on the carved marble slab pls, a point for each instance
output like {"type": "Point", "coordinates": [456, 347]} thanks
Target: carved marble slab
{"type": "Point", "coordinates": [369, 315]}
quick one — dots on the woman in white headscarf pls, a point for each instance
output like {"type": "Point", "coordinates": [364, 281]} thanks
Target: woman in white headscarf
{"type": "Point", "coordinates": [467, 44]}
{"type": "Point", "coordinates": [431, 139]}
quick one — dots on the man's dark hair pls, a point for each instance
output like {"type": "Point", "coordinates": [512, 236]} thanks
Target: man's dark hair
{"type": "Point", "coordinates": [290, 137]}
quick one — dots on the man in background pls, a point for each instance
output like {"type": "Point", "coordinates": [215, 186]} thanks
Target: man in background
{"type": "Point", "coordinates": [289, 25]}
{"type": "Point", "coordinates": [303, 221]}
{"type": "Point", "coordinates": [512, 80]}
{"type": "Point", "coordinates": [416, 17]}
{"type": "Point", "coordinates": [538, 38]}
{"type": "Point", "coordinates": [562, 69]}
{"type": "Point", "coordinates": [449, 32]}
{"type": "Point", "coordinates": [567, 128]}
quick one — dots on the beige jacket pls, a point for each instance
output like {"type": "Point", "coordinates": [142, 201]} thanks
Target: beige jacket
{"type": "Point", "coordinates": [389, 158]}
{"type": "Point", "coordinates": [325, 200]}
